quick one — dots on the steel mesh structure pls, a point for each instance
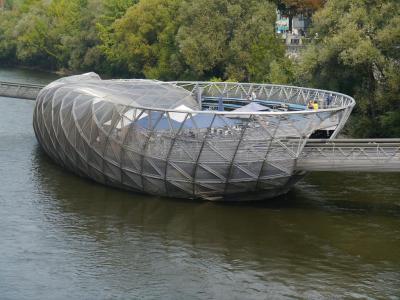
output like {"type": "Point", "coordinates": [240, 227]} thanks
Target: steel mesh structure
{"type": "Point", "coordinates": [155, 137]}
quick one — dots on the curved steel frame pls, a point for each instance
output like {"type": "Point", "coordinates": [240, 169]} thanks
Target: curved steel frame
{"type": "Point", "coordinates": [238, 155]}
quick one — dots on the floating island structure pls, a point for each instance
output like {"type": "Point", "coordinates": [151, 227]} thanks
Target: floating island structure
{"type": "Point", "coordinates": [207, 140]}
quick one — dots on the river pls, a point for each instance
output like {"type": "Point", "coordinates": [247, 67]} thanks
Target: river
{"type": "Point", "coordinates": [336, 235]}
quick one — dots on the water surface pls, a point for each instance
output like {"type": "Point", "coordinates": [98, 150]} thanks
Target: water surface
{"type": "Point", "coordinates": [64, 237]}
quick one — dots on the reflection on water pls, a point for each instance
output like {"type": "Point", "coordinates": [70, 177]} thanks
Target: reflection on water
{"type": "Point", "coordinates": [26, 76]}
{"type": "Point", "coordinates": [64, 237]}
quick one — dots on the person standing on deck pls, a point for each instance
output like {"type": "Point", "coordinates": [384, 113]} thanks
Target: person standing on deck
{"type": "Point", "coordinates": [329, 99]}
{"type": "Point", "coordinates": [220, 104]}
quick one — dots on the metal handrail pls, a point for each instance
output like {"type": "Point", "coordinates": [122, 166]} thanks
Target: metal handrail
{"type": "Point", "coordinates": [40, 86]}
{"type": "Point", "coordinates": [348, 104]}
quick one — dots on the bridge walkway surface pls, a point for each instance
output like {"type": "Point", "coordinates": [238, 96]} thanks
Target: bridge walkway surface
{"type": "Point", "coordinates": [19, 90]}
{"type": "Point", "coordinates": [364, 155]}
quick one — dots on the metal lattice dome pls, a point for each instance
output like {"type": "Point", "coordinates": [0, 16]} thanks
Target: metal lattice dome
{"type": "Point", "coordinates": [183, 139]}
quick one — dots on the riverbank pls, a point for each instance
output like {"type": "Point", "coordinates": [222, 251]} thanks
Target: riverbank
{"type": "Point", "coordinates": [26, 75]}
{"type": "Point", "coordinates": [60, 73]}
{"type": "Point", "coordinates": [52, 73]}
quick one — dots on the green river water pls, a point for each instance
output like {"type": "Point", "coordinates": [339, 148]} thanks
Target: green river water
{"type": "Point", "coordinates": [335, 236]}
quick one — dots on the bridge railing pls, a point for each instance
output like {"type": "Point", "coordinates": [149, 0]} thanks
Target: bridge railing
{"type": "Point", "coordinates": [19, 90]}
{"type": "Point", "coordinates": [374, 155]}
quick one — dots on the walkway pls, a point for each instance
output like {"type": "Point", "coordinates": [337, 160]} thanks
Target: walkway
{"type": "Point", "coordinates": [17, 90]}
{"type": "Point", "coordinates": [365, 155]}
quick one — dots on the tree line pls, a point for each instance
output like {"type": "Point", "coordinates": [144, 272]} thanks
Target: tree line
{"type": "Point", "coordinates": [355, 49]}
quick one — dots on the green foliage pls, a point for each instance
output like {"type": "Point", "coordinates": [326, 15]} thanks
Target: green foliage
{"type": "Point", "coordinates": [8, 4]}
{"type": "Point", "coordinates": [202, 37]}
{"type": "Point", "coordinates": [141, 43]}
{"type": "Point", "coordinates": [229, 39]}
{"type": "Point", "coordinates": [357, 53]}
{"type": "Point", "coordinates": [45, 33]}
{"type": "Point", "coordinates": [115, 9]}
{"type": "Point", "coordinates": [163, 39]}
{"type": "Point", "coordinates": [7, 42]}
{"type": "Point", "coordinates": [282, 72]}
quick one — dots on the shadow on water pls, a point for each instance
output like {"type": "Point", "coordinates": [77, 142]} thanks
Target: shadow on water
{"type": "Point", "coordinates": [350, 192]}
{"type": "Point", "coordinates": [299, 240]}
{"type": "Point", "coordinates": [309, 204]}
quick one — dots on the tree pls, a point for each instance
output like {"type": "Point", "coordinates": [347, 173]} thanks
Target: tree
{"type": "Point", "coordinates": [229, 39]}
{"type": "Point", "coordinates": [114, 9]}
{"type": "Point", "coordinates": [163, 39]}
{"type": "Point", "coordinates": [7, 42]}
{"type": "Point", "coordinates": [142, 42]}
{"type": "Point", "coordinates": [357, 53]}
{"type": "Point", "coordinates": [82, 46]}
{"type": "Point", "coordinates": [44, 32]}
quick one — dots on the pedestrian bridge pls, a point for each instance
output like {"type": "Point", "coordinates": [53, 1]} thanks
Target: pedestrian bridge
{"type": "Point", "coordinates": [363, 155]}
{"type": "Point", "coordinates": [18, 90]}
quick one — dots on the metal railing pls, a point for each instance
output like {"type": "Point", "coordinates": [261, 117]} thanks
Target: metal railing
{"type": "Point", "coordinates": [19, 90]}
{"type": "Point", "coordinates": [367, 155]}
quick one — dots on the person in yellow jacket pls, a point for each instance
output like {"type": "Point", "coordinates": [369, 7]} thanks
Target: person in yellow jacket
{"type": "Point", "coordinates": [315, 105]}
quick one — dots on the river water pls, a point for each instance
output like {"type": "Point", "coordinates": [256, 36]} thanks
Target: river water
{"type": "Point", "coordinates": [63, 237]}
